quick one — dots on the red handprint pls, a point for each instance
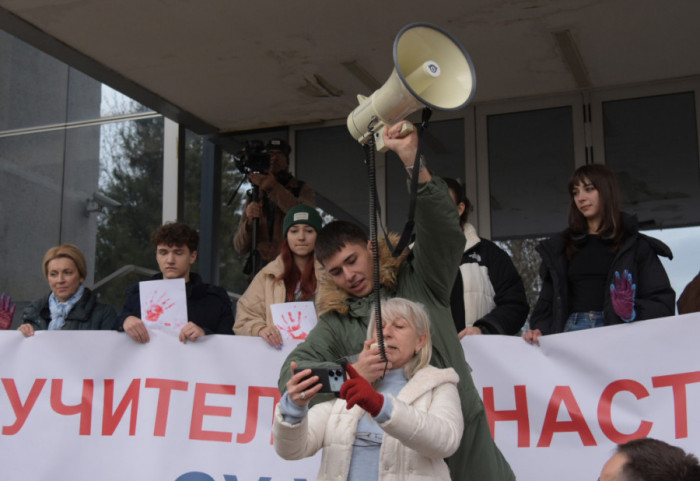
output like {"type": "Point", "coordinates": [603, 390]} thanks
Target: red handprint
{"type": "Point", "coordinates": [7, 311]}
{"type": "Point", "coordinates": [156, 307]}
{"type": "Point", "coordinates": [292, 326]}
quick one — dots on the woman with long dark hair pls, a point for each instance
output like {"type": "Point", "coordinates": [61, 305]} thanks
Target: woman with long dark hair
{"type": "Point", "coordinates": [601, 270]}
{"type": "Point", "coordinates": [290, 277]}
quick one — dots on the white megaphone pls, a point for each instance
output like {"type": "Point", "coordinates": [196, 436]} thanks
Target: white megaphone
{"type": "Point", "coordinates": [431, 69]}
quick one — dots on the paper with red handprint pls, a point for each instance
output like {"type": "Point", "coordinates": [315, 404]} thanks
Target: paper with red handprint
{"type": "Point", "coordinates": [294, 319]}
{"type": "Point", "coordinates": [164, 304]}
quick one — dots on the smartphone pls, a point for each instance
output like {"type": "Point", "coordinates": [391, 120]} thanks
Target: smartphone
{"type": "Point", "coordinates": [331, 377]}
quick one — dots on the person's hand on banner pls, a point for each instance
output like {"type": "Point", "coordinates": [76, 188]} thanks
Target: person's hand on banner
{"type": "Point", "coordinates": [191, 332]}
{"type": "Point", "coordinates": [622, 294]}
{"type": "Point", "coordinates": [136, 329]}
{"type": "Point", "coordinates": [272, 336]}
{"type": "Point", "coordinates": [532, 336]}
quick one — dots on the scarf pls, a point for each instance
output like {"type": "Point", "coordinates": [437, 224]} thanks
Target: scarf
{"type": "Point", "coordinates": [59, 310]}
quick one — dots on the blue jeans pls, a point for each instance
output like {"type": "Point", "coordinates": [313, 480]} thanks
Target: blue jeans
{"type": "Point", "coordinates": [579, 321]}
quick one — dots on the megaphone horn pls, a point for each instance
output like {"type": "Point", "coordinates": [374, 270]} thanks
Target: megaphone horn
{"type": "Point", "coordinates": [431, 69]}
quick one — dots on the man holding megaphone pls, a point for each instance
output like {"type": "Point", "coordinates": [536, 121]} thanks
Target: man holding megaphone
{"type": "Point", "coordinates": [426, 276]}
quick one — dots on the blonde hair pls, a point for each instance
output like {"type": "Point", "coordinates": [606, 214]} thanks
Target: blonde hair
{"type": "Point", "coordinates": [416, 316]}
{"type": "Point", "coordinates": [69, 251]}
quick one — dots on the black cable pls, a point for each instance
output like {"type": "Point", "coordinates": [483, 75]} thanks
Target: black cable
{"type": "Point", "coordinates": [410, 223]}
{"type": "Point", "coordinates": [372, 171]}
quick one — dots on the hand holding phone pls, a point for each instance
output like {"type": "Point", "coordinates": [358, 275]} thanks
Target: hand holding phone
{"type": "Point", "coordinates": [330, 377]}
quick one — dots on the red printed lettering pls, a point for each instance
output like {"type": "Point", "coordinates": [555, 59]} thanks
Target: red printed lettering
{"type": "Point", "coordinates": [563, 394]}
{"type": "Point", "coordinates": [110, 418]}
{"type": "Point", "coordinates": [680, 397]}
{"type": "Point", "coordinates": [200, 409]}
{"type": "Point", "coordinates": [605, 411]}
{"type": "Point", "coordinates": [84, 408]}
{"type": "Point", "coordinates": [519, 414]}
{"type": "Point", "coordinates": [165, 387]}
{"type": "Point", "coordinates": [251, 423]}
{"type": "Point", "coordinates": [21, 410]}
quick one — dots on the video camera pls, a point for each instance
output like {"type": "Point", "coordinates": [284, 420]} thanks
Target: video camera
{"type": "Point", "coordinates": [252, 158]}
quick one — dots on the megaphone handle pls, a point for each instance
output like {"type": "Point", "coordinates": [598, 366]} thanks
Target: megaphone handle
{"type": "Point", "coordinates": [379, 142]}
{"type": "Point", "coordinates": [406, 128]}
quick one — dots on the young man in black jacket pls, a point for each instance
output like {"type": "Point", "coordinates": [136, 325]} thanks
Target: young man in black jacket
{"type": "Point", "coordinates": [209, 308]}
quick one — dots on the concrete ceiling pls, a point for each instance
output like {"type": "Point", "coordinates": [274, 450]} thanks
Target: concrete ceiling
{"type": "Point", "coordinates": [227, 65]}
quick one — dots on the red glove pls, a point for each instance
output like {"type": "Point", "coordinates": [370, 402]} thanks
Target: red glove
{"type": "Point", "coordinates": [356, 390]}
{"type": "Point", "coordinates": [7, 310]}
{"type": "Point", "coordinates": [622, 296]}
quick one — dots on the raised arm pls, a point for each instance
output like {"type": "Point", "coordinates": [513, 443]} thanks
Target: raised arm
{"type": "Point", "coordinates": [439, 239]}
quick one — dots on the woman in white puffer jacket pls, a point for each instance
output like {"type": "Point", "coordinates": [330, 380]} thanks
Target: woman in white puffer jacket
{"type": "Point", "coordinates": [399, 429]}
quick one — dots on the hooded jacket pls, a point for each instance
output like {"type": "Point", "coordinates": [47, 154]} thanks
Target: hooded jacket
{"type": "Point", "coordinates": [638, 254]}
{"type": "Point", "coordinates": [87, 314]}
{"type": "Point", "coordinates": [425, 276]}
{"type": "Point", "coordinates": [425, 427]}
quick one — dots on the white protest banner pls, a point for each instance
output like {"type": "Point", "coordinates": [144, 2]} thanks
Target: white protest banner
{"type": "Point", "coordinates": [558, 410]}
{"type": "Point", "coordinates": [86, 405]}
{"type": "Point", "coordinates": [163, 303]}
{"type": "Point", "coordinates": [294, 319]}
{"type": "Point", "coordinates": [95, 405]}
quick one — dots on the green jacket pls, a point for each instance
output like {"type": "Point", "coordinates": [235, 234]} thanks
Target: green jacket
{"type": "Point", "coordinates": [425, 276]}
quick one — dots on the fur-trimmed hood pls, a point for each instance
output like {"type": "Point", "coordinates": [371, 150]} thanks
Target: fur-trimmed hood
{"type": "Point", "coordinates": [330, 297]}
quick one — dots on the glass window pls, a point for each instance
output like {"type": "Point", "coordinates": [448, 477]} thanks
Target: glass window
{"type": "Point", "coordinates": [443, 149]}
{"type": "Point", "coordinates": [31, 198]}
{"type": "Point", "coordinates": [646, 136]}
{"type": "Point", "coordinates": [84, 97]}
{"type": "Point", "coordinates": [531, 157]}
{"type": "Point", "coordinates": [46, 93]}
{"type": "Point", "coordinates": [193, 178]}
{"type": "Point", "coordinates": [50, 169]}
{"type": "Point", "coordinates": [332, 162]}
{"type": "Point", "coordinates": [36, 92]}
{"type": "Point", "coordinates": [131, 164]}
{"type": "Point", "coordinates": [116, 103]}
{"type": "Point", "coordinates": [231, 264]}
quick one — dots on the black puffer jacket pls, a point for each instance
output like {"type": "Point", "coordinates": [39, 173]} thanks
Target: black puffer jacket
{"type": "Point", "coordinates": [639, 255]}
{"type": "Point", "coordinates": [87, 314]}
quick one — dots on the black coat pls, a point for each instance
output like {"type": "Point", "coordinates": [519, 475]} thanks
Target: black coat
{"type": "Point", "coordinates": [87, 314]}
{"type": "Point", "coordinates": [638, 254]}
{"type": "Point", "coordinates": [208, 306]}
